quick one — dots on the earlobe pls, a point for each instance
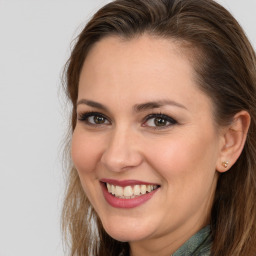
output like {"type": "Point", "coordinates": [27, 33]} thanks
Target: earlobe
{"type": "Point", "coordinates": [234, 137]}
{"type": "Point", "coordinates": [225, 164]}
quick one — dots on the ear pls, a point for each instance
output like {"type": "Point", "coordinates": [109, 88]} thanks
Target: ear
{"type": "Point", "coordinates": [233, 140]}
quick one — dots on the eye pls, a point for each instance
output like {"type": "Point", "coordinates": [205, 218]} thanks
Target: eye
{"type": "Point", "coordinates": [93, 118]}
{"type": "Point", "coordinates": [159, 121]}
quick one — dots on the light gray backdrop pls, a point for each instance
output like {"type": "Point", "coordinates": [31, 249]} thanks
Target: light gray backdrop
{"type": "Point", "coordinates": [34, 44]}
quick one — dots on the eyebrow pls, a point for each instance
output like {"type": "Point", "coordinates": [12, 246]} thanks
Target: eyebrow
{"type": "Point", "coordinates": [156, 104]}
{"type": "Point", "coordinates": [91, 104]}
{"type": "Point", "coordinates": [137, 108]}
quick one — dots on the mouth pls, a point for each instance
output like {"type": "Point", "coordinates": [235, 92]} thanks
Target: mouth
{"type": "Point", "coordinates": [127, 194]}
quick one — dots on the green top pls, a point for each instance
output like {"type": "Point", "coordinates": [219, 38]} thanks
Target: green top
{"type": "Point", "coordinates": [198, 245]}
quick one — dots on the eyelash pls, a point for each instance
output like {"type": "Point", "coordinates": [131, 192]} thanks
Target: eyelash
{"type": "Point", "coordinates": [164, 117]}
{"type": "Point", "coordinates": [86, 115]}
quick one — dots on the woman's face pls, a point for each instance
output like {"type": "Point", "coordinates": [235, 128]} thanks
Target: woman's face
{"type": "Point", "coordinates": [145, 132]}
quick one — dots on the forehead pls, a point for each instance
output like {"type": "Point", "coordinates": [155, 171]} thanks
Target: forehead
{"type": "Point", "coordinates": [131, 59]}
{"type": "Point", "coordinates": [141, 69]}
{"type": "Point", "coordinates": [139, 49]}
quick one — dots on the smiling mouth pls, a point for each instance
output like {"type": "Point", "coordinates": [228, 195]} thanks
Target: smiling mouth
{"type": "Point", "coordinates": [129, 192]}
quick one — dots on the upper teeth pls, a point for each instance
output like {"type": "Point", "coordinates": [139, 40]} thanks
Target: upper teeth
{"type": "Point", "coordinates": [129, 191]}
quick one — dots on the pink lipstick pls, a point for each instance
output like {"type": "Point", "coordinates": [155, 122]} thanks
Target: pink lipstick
{"type": "Point", "coordinates": [127, 193]}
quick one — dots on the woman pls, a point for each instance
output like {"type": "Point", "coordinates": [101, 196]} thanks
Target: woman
{"type": "Point", "coordinates": [163, 132]}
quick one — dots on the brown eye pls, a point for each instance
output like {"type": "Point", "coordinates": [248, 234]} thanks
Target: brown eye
{"type": "Point", "coordinates": [93, 118]}
{"type": "Point", "coordinates": [160, 122]}
{"type": "Point", "coordinates": [99, 119]}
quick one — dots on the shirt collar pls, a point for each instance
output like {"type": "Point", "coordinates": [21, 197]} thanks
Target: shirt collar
{"type": "Point", "coordinates": [198, 244]}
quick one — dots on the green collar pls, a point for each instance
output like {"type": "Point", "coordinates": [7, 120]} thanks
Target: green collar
{"type": "Point", "coordinates": [198, 245]}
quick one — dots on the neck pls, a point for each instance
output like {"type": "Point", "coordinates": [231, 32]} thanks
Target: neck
{"type": "Point", "coordinates": [164, 245]}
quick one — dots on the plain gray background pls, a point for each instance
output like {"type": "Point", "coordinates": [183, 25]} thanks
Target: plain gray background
{"type": "Point", "coordinates": [35, 38]}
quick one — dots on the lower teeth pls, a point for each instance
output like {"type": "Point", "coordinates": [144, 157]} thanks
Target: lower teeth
{"type": "Point", "coordinates": [126, 197]}
{"type": "Point", "coordinates": [130, 197]}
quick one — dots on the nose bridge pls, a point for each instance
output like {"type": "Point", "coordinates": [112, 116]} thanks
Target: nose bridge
{"type": "Point", "coordinates": [122, 150]}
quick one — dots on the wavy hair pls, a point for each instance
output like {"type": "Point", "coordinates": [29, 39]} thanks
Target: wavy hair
{"type": "Point", "coordinates": [225, 66]}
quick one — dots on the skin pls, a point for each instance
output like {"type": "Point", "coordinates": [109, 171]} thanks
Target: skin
{"type": "Point", "coordinates": [181, 157]}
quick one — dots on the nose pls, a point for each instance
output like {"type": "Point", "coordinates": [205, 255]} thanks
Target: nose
{"type": "Point", "coordinates": [122, 151]}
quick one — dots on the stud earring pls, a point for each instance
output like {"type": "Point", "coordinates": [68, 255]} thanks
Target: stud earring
{"type": "Point", "coordinates": [225, 164]}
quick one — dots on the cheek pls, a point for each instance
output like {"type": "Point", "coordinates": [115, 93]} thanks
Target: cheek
{"type": "Point", "coordinates": [85, 152]}
{"type": "Point", "coordinates": [185, 157]}
{"type": "Point", "coordinates": [187, 169]}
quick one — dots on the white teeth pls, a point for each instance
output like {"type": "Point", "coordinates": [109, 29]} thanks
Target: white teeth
{"type": "Point", "coordinates": [119, 191]}
{"type": "Point", "coordinates": [149, 188]}
{"type": "Point", "coordinates": [143, 189]}
{"type": "Point", "coordinates": [136, 190]}
{"type": "Point", "coordinates": [130, 191]}
{"type": "Point", "coordinates": [113, 189]}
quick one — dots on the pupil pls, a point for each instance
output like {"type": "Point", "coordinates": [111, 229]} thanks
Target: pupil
{"type": "Point", "coordinates": [160, 122]}
{"type": "Point", "coordinates": [99, 120]}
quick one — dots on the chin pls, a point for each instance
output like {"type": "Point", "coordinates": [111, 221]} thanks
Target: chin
{"type": "Point", "coordinates": [126, 236]}
{"type": "Point", "coordinates": [127, 231]}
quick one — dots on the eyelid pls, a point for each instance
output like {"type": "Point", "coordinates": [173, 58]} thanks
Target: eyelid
{"type": "Point", "coordinates": [169, 119]}
{"type": "Point", "coordinates": [83, 117]}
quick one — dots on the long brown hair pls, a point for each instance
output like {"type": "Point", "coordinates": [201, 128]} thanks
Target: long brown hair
{"type": "Point", "coordinates": [225, 64]}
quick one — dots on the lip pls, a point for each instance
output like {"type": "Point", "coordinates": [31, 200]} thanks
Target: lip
{"type": "Point", "coordinates": [125, 203]}
{"type": "Point", "coordinates": [124, 183]}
